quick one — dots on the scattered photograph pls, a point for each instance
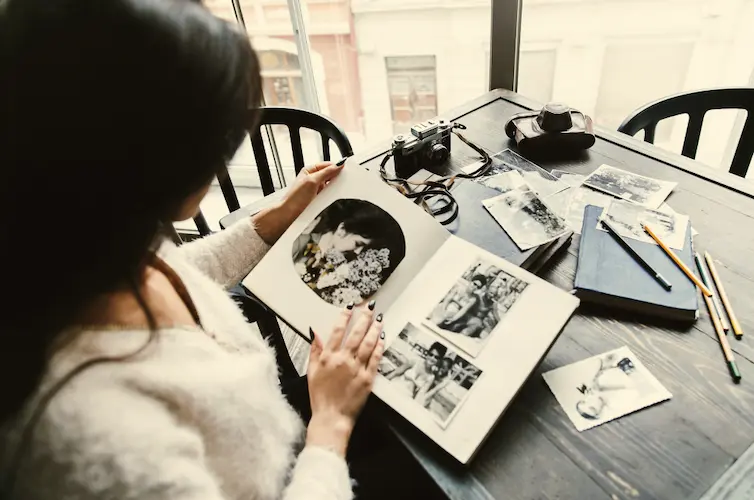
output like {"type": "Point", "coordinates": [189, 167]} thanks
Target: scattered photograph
{"type": "Point", "coordinates": [539, 180]}
{"type": "Point", "coordinates": [635, 188]}
{"type": "Point", "coordinates": [605, 387]}
{"type": "Point", "coordinates": [475, 305]}
{"type": "Point", "coordinates": [526, 218]}
{"type": "Point", "coordinates": [427, 371]}
{"type": "Point", "coordinates": [627, 219]}
{"type": "Point", "coordinates": [573, 180]}
{"type": "Point", "coordinates": [348, 251]}
{"type": "Point", "coordinates": [504, 181]}
{"type": "Point", "coordinates": [580, 198]}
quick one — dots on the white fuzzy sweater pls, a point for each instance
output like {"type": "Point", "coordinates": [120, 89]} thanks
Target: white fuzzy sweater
{"type": "Point", "coordinates": [193, 418]}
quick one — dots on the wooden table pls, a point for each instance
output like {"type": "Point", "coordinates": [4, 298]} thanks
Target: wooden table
{"type": "Point", "coordinates": [690, 447]}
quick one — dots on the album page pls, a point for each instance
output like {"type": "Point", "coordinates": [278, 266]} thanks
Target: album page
{"type": "Point", "coordinates": [359, 240]}
{"type": "Point", "coordinates": [462, 340]}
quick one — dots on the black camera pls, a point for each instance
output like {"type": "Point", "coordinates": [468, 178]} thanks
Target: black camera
{"type": "Point", "coordinates": [555, 130]}
{"type": "Point", "coordinates": [427, 146]}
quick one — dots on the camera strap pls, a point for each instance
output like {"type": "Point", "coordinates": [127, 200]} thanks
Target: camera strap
{"type": "Point", "coordinates": [434, 196]}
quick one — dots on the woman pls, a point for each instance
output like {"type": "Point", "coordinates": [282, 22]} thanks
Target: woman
{"type": "Point", "coordinates": [465, 314]}
{"type": "Point", "coordinates": [349, 251]}
{"type": "Point", "coordinates": [126, 369]}
{"type": "Point", "coordinates": [416, 376]}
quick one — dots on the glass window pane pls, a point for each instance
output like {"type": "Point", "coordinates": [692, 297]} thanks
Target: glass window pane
{"type": "Point", "coordinates": [609, 57]}
{"type": "Point", "coordinates": [381, 66]}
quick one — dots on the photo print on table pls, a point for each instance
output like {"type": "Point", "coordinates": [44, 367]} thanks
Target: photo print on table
{"type": "Point", "coordinates": [539, 180]}
{"type": "Point", "coordinates": [636, 188]}
{"type": "Point", "coordinates": [579, 198]}
{"type": "Point", "coordinates": [504, 181]}
{"type": "Point", "coordinates": [527, 219]}
{"type": "Point", "coordinates": [570, 178]}
{"type": "Point", "coordinates": [602, 388]}
{"type": "Point", "coordinates": [475, 305]}
{"type": "Point", "coordinates": [348, 251]}
{"type": "Point", "coordinates": [422, 367]}
{"type": "Point", "coordinates": [627, 219]}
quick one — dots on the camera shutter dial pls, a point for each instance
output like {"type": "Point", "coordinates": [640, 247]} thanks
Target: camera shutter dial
{"type": "Point", "coordinates": [555, 117]}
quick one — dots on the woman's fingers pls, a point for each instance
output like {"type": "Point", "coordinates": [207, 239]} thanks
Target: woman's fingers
{"type": "Point", "coordinates": [370, 340]}
{"type": "Point", "coordinates": [360, 327]}
{"type": "Point", "coordinates": [326, 173]}
{"type": "Point", "coordinates": [374, 359]}
{"type": "Point", "coordinates": [339, 330]}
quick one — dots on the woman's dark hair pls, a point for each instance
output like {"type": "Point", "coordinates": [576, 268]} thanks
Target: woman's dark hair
{"type": "Point", "coordinates": [369, 221]}
{"type": "Point", "coordinates": [437, 346]}
{"type": "Point", "coordinates": [481, 278]}
{"type": "Point", "coordinates": [112, 113]}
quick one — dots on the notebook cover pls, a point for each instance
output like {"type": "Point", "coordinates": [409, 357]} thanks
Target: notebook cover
{"type": "Point", "coordinates": [607, 274]}
{"type": "Point", "coordinates": [475, 225]}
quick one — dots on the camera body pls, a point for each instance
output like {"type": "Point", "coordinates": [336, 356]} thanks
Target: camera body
{"type": "Point", "coordinates": [427, 146]}
{"type": "Point", "coordinates": [556, 130]}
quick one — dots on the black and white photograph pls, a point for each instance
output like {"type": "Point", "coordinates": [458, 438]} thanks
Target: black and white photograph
{"type": "Point", "coordinates": [504, 181]}
{"type": "Point", "coordinates": [570, 178]}
{"type": "Point", "coordinates": [426, 370]}
{"type": "Point", "coordinates": [527, 219]}
{"type": "Point", "coordinates": [627, 219]}
{"type": "Point", "coordinates": [348, 251]}
{"type": "Point", "coordinates": [602, 388]}
{"type": "Point", "coordinates": [477, 303]}
{"type": "Point", "coordinates": [579, 198]}
{"type": "Point", "coordinates": [635, 188]}
{"type": "Point", "coordinates": [539, 180]}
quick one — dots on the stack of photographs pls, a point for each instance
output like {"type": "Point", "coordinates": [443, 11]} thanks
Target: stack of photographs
{"type": "Point", "coordinates": [523, 215]}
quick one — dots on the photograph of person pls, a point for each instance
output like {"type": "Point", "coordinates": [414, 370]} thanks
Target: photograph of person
{"type": "Point", "coordinates": [475, 305]}
{"type": "Point", "coordinates": [348, 251]}
{"type": "Point", "coordinates": [604, 387]}
{"type": "Point", "coordinates": [422, 368]}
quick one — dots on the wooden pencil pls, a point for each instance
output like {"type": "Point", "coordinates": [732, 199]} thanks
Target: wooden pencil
{"type": "Point", "coordinates": [737, 330]}
{"type": "Point", "coordinates": [677, 261]}
{"type": "Point", "coordinates": [727, 351]}
{"type": "Point", "coordinates": [708, 283]}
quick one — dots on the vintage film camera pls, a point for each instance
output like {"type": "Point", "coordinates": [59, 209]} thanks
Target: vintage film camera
{"type": "Point", "coordinates": [427, 146]}
{"type": "Point", "coordinates": [555, 130]}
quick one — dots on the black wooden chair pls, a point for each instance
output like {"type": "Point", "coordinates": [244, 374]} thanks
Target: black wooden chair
{"type": "Point", "coordinates": [294, 120]}
{"type": "Point", "coordinates": [696, 104]}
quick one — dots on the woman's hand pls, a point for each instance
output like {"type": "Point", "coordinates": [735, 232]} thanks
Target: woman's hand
{"type": "Point", "coordinates": [341, 375]}
{"type": "Point", "coordinates": [271, 223]}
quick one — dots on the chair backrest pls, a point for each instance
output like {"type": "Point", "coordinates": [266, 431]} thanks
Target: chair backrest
{"type": "Point", "coordinates": [295, 120]}
{"type": "Point", "coordinates": [696, 104]}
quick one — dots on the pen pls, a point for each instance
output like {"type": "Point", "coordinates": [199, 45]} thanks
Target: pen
{"type": "Point", "coordinates": [677, 261]}
{"type": "Point", "coordinates": [638, 258]}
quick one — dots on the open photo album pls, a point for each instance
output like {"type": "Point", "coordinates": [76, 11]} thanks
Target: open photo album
{"type": "Point", "coordinates": [464, 328]}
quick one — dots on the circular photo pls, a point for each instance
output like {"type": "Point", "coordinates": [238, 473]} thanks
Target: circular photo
{"type": "Point", "coordinates": [348, 251]}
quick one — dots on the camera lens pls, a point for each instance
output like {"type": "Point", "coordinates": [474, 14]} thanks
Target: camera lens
{"type": "Point", "coordinates": [438, 153]}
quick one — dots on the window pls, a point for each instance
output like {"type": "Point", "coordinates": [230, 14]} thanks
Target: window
{"type": "Point", "coordinates": [609, 57]}
{"type": "Point", "coordinates": [413, 90]}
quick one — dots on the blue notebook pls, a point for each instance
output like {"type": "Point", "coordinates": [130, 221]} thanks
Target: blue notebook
{"type": "Point", "coordinates": [608, 275]}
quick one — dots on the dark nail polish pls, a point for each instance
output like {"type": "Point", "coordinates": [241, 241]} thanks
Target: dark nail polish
{"type": "Point", "coordinates": [378, 318]}
{"type": "Point", "coordinates": [371, 305]}
{"type": "Point", "coordinates": [311, 334]}
{"type": "Point", "coordinates": [349, 306]}
{"type": "Point", "coordinates": [382, 334]}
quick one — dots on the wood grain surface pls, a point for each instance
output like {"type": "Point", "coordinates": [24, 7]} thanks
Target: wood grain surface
{"type": "Point", "coordinates": [675, 450]}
